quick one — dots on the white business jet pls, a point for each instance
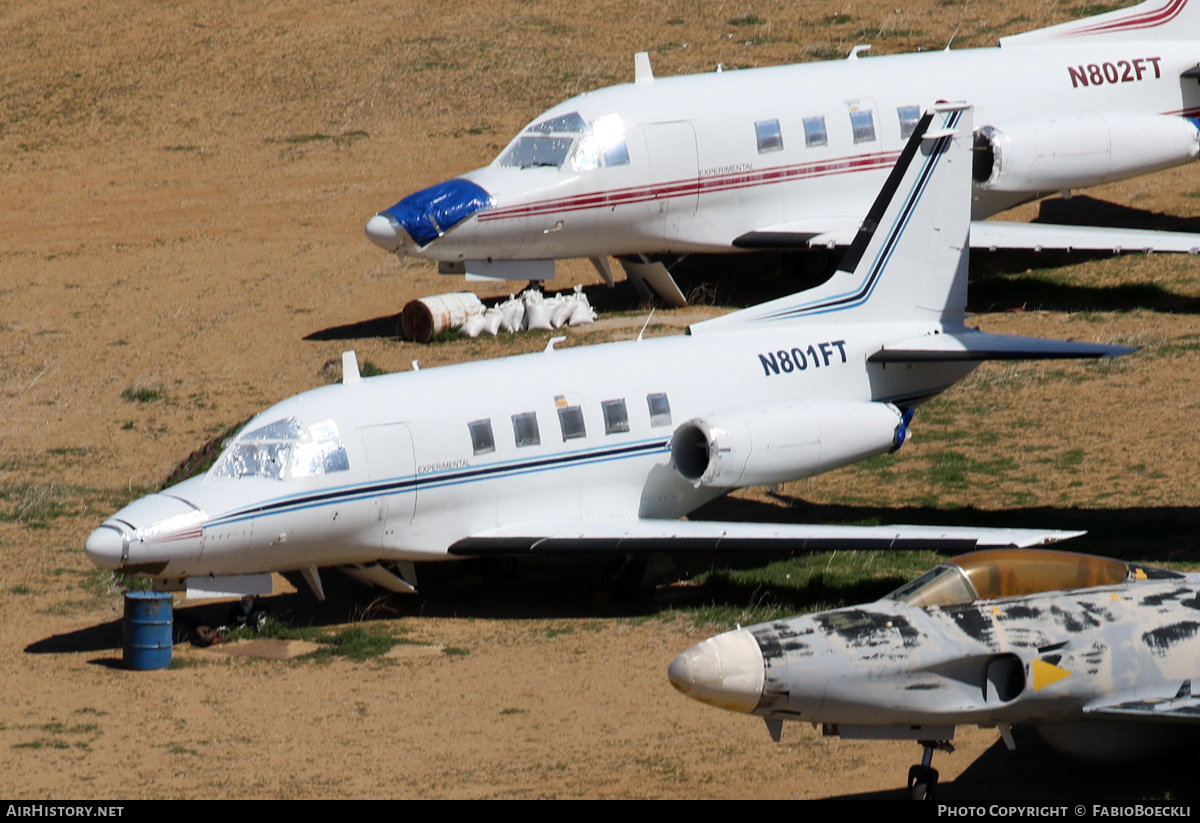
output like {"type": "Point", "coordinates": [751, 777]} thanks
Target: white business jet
{"type": "Point", "coordinates": [790, 157]}
{"type": "Point", "coordinates": [604, 447]}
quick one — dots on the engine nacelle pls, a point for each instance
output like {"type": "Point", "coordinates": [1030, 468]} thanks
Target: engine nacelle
{"type": "Point", "coordinates": [758, 447]}
{"type": "Point", "coordinates": [1078, 150]}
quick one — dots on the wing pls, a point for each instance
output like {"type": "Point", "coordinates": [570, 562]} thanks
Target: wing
{"type": "Point", "coordinates": [998, 234]}
{"type": "Point", "coordinates": [1183, 707]}
{"type": "Point", "coordinates": [802, 234]}
{"type": "Point", "coordinates": [635, 536]}
{"type": "Point", "coordinates": [988, 235]}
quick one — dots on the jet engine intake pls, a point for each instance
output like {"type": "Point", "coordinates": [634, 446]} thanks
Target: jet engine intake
{"type": "Point", "coordinates": [1078, 150]}
{"type": "Point", "coordinates": [773, 444]}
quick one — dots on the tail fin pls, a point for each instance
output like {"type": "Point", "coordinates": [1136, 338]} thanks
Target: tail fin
{"type": "Point", "coordinates": [1152, 20]}
{"type": "Point", "coordinates": [909, 258]}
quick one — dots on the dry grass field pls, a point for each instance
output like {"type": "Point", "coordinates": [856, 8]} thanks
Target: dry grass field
{"type": "Point", "coordinates": [185, 186]}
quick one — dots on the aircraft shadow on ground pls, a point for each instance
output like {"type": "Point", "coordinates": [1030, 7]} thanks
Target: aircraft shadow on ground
{"type": "Point", "coordinates": [1082, 210]}
{"type": "Point", "coordinates": [992, 292]}
{"type": "Point", "coordinates": [1036, 773]}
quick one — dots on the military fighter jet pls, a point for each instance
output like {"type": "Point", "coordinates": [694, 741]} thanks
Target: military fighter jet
{"type": "Point", "coordinates": [1096, 653]}
{"type": "Point", "coordinates": [790, 157]}
{"type": "Point", "coordinates": [604, 447]}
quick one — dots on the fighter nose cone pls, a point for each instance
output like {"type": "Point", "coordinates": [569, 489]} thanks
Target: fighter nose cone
{"type": "Point", "coordinates": [725, 671]}
{"type": "Point", "coordinates": [381, 230]}
{"type": "Point", "coordinates": [105, 547]}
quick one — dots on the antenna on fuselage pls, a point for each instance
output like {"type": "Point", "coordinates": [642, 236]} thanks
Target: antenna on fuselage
{"type": "Point", "coordinates": [350, 372]}
{"type": "Point", "coordinates": [644, 325]}
{"type": "Point", "coordinates": [642, 72]}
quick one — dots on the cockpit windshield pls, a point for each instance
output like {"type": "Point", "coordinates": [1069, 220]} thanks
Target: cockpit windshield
{"type": "Point", "coordinates": [283, 450]}
{"type": "Point", "coordinates": [988, 575]}
{"type": "Point", "coordinates": [551, 142]}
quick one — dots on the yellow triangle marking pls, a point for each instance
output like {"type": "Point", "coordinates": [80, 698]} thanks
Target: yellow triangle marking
{"type": "Point", "coordinates": [1046, 674]}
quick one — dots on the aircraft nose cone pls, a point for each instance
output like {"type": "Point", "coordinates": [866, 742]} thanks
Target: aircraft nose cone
{"type": "Point", "coordinates": [424, 216]}
{"type": "Point", "coordinates": [725, 671]}
{"type": "Point", "coordinates": [105, 547]}
{"type": "Point", "coordinates": [381, 230]}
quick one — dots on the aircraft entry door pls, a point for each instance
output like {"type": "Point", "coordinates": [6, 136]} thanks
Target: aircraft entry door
{"type": "Point", "coordinates": [674, 175]}
{"type": "Point", "coordinates": [391, 462]}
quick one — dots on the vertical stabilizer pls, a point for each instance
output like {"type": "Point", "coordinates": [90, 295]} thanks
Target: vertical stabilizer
{"type": "Point", "coordinates": [1153, 20]}
{"type": "Point", "coordinates": [909, 258]}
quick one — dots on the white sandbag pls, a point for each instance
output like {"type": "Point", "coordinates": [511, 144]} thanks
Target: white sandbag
{"type": "Point", "coordinates": [493, 318]}
{"type": "Point", "coordinates": [473, 326]}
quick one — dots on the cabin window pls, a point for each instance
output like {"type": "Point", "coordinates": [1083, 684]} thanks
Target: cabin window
{"type": "Point", "coordinates": [909, 117]}
{"type": "Point", "coordinates": [862, 123]}
{"type": "Point", "coordinates": [525, 429]}
{"type": "Point", "coordinates": [285, 449]}
{"type": "Point", "coordinates": [660, 410]}
{"type": "Point", "coordinates": [814, 131]}
{"type": "Point", "coordinates": [481, 436]}
{"type": "Point", "coordinates": [616, 418]}
{"type": "Point", "coordinates": [570, 418]}
{"type": "Point", "coordinates": [770, 137]}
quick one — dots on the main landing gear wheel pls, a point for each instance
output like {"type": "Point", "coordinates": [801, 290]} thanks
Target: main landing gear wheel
{"type": "Point", "coordinates": [249, 614]}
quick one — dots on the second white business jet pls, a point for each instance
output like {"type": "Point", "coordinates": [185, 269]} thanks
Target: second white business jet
{"type": "Point", "coordinates": [790, 157]}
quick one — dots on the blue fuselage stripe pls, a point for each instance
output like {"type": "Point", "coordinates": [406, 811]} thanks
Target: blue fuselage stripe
{"type": "Point", "coordinates": [426, 482]}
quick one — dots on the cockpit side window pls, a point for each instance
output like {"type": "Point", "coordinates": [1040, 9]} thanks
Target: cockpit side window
{"type": "Point", "coordinates": [284, 449]}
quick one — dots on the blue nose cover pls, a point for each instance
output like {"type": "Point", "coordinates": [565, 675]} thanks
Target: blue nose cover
{"type": "Point", "coordinates": [430, 213]}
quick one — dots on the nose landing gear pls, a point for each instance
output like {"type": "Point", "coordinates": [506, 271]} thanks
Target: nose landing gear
{"type": "Point", "coordinates": [922, 777]}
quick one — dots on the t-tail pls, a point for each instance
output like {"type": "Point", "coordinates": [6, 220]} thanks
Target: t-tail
{"type": "Point", "coordinates": [908, 262]}
{"type": "Point", "coordinates": [1155, 20]}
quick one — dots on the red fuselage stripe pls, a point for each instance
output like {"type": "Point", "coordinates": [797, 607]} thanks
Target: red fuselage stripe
{"type": "Point", "coordinates": [694, 186]}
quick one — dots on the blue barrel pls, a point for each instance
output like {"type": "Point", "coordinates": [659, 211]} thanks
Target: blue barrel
{"type": "Point", "coordinates": [147, 631]}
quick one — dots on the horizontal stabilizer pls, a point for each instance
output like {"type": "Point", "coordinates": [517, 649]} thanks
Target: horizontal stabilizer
{"type": "Point", "coordinates": [977, 345]}
{"type": "Point", "coordinates": [635, 536]}
{"type": "Point", "coordinates": [998, 234]}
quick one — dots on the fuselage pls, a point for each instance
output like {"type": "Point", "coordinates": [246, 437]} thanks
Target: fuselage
{"type": "Point", "coordinates": [693, 163]}
{"type": "Point", "coordinates": [402, 466]}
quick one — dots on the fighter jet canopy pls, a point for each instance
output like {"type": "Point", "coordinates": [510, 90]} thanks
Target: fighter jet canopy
{"type": "Point", "coordinates": [988, 575]}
